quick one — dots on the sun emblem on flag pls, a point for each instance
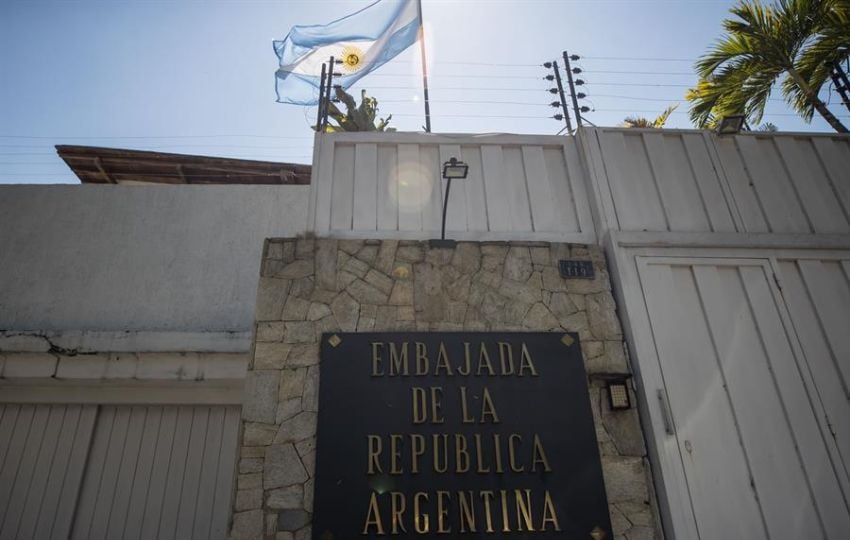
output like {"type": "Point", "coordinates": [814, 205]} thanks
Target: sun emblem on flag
{"type": "Point", "coordinates": [352, 58]}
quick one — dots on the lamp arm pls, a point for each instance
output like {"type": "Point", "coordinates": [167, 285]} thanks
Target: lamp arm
{"type": "Point", "coordinates": [445, 205]}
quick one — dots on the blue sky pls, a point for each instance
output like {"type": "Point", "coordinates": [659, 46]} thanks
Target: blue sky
{"type": "Point", "coordinates": [198, 76]}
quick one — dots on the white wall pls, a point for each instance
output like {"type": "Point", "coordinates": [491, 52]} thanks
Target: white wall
{"type": "Point", "coordinates": [138, 258]}
{"type": "Point", "coordinates": [389, 185]}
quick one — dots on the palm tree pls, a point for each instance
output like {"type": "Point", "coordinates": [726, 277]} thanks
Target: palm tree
{"type": "Point", "coordinates": [762, 43]}
{"type": "Point", "coordinates": [356, 118]}
{"type": "Point", "coordinates": [829, 48]}
{"type": "Point", "coordinates": [641, 122]}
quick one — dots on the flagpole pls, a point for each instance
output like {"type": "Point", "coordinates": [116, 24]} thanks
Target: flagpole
{"type": "Point", "coordinates": [424, 68]}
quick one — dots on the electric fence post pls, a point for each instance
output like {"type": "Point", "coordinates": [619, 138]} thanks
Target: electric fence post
{"type": "Point", "coordinates": [572, 85]}
{"type": "Point", "coordinates": [842, 84]}
{"type": "Point", "coordinates": [320, 112]}
{"type": "Point", "coordinates": [563, 102]}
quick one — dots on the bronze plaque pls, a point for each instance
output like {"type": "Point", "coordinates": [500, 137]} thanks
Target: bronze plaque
{"type": "Point", "coordinates": [472, 434]}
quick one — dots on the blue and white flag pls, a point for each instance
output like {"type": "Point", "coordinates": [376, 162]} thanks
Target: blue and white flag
{"type": "Point", "coordinates": [364, 41]}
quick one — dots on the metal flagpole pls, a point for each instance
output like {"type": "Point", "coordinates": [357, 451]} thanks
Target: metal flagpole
{"type": "Point", "coordinates": [424, 69]}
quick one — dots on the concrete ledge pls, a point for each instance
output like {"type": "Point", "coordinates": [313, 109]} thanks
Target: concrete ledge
{"type": "Point", "coordinates": [166, 366]}
{"type": "Point", "coordinates": [89, 341]}
{"type": "Point", "coordinates": [36, 390]}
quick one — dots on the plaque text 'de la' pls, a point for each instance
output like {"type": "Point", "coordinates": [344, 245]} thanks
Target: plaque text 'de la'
{"type": "Point", "coordinates": [456, 435]}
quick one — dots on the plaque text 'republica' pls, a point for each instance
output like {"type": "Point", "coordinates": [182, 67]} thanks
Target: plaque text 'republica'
{"type": "Point", "coordinates": [469, 452]}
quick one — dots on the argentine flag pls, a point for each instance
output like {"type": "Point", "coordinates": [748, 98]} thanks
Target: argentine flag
{"type": "Point", "coordinates": [363, 41]}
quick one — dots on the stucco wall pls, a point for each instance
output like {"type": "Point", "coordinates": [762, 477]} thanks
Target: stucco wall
{"type": "Point", "coordinates": [131, 258]}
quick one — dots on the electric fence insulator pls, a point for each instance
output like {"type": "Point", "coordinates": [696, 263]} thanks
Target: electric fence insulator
{"type": "Point", "coordinates": [547, 65]}
{"type": "Point", "coordinates": [338, 61]}
{"type": "Point", "coordinates": [553, 90]}
{"type": "Point", "coordinates": [576, 70]}
{"type": "Point", "coordinates": [585, 108]}
{"type": "Point", "coordinates": [575, 57]}
{"type": "Point", "coordinates": [579, 82]}
{"type": "Point", "coordinates": [549, 77]}
{"type": "Point", "coordinates": [555, 104]}
{"type": "Point", "coordinates": [334, 100]}
{"type": "Point", "coordinates": [581, 95]}
{"type": "Point", "coordinates": [339, 86]}
{"type": "Point", "coordinates": [337, 74]}
{"type": "Point", "coordinates": [558, 117]}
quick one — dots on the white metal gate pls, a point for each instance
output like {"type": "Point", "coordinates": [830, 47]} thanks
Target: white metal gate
{"type": "Point", "coordinates": [748, 392]}
{"type": "Point", "coordinates": [116, 471]}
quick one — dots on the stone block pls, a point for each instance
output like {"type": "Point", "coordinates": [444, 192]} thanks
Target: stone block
{"type": "Point", "coordinates": [304, 534]}
{"type": "Point", "coordinates": [366, 294]}
{"type": "Point", "coordinates": [295, 270]}
{"type": "Point", "coordinates": [402, 294]}
{"type": "Point", "coordinates": [299, 332]}
{"type": "Point", "coordinates": [282, 467]}
{"type": "Point", "coordinates": [623, 427]}
{"type": "Point", "coordinates": [410, 254]}
{"type": "Point", "coordinates": [284, 535]}
{"type": "Point", "coordinates": [540, 318]}
{"type": "Point", "coordinates": [252, 451]}
{"type": "Point", "coordinates": [271, 294]}
{"type": "Point", "coordinates": [518, 265]}
{"type": "Point", "coordinates": [250, 481]}
{"type": "Point", "coordinates": [317, 311]}
{"type": "Point", "coordinates": [291, 497]}
{"type": "Point", "coordinates": [305, 246]}
{"type": "Point", "coordinates": [292, 520]}
{"type": "Point", "coordinates": [84, 366]}
{"type": "Point", "coordinates": [291, 383]}
{"type": "Point", "coordinates": [26, 365]}
{"type": "Point", "coordinates": [625, 479]}
{"type": "Point", "coordinates": [467, 257]}
{"type": "Point", "coordinates": [540, 256]}
{"type": "Point", "coordinates": [270, 355]}
{"type": "Point", "coordinates": [287, 409]}
{"type": "Point", "coordinates": [248, 499]}
{"type": "Point", "coordinates": [602, 316]}
{"type": "Point", "coordinates": [346, 311]}
{"type": "Point", "coordinates": [350, 246]}
{"type": "Point", "coordinates": [261, 393]}
{"type": "Point", "coordinates": [295, 309]}
{"type": "Point", "coordinates": [366, 321]}
{"type": "Point", "coordinates": [326, 258]}
{"type": "Point", "coordinates": [356, 267]}
{"type": "Point", "coordinates": [247, 525]}
{"type": "Point", "coordinates": [386, 256]}
{"type": "Point", "coordinates": [269, 331]}
{"type": "Point", "coordinates": [250, 465]}
{"type": "Point", "coordinates": [310, 399]}
{"type": "Point", "coordinates": [303, 354]}
{"type": "Point", "coordinates": [379, 280]}
{"type": "Point", "coordinates": [307, 452]}
{"type": "Point", "coordinates": [256, 434]}
{"type": "Point", "coordinates": [302, 288]}
{"type": "Point", "coordinates": [297, 428]}
{"type": "Point", "coordinates": [309, 487]}
{"type": "Point", "coordinates": [367, 253]}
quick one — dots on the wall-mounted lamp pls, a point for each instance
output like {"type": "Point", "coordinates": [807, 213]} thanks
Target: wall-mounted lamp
{"type": "Point", "coordinates": [730, 125]}
{"type": "Point", "coordinates": [451, 169]}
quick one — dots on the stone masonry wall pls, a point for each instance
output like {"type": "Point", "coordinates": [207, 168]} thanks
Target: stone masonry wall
{"type": "Point", "coordinates": [310, 286]}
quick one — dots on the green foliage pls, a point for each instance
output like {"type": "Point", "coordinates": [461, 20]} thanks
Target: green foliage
{"type": "Point", "coordinates": [763, 43]}
{"type": "Point", "coordinates": [357, 117]}
{"type": "Point", "coordinates": [641, 122]}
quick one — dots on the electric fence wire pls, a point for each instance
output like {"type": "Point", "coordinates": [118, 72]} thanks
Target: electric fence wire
{"type": "Point", "coordinates": [643, 79]}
